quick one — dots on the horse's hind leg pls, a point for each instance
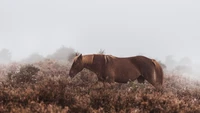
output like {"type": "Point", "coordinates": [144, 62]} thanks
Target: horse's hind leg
{"type": "Point", "coordinates": [152, 78]}
{"type": "Point", "coordinates": [152, 81]}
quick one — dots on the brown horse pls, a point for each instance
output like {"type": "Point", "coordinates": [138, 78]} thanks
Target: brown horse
{"type": "Point", "coordinates": [113, 69]}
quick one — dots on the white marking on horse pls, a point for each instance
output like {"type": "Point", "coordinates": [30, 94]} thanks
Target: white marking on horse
{"type": "Point", "coordinates": [154, 75]}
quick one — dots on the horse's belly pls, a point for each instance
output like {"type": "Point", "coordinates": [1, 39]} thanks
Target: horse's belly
{"type": "Point", "coordinates": [122, 80]}
{"type": "Point", "coordinates": [126, 78]}
{"type": "Point", "coordinates": [123, 71]}
{"type": "Point", "coordinates": [126, 75]}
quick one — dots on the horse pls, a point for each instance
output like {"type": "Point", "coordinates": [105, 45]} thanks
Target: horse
{"type": "Point", "coordinates": [112, 69]}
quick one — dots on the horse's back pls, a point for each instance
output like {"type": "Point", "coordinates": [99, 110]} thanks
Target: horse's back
{"type": "Point", "coordinates": [122, 68]}
{"type": "Point", "coordinates": [143, 63]}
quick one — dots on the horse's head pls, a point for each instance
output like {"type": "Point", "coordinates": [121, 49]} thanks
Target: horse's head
{"type": "Point", "coordinates": [77, 66]}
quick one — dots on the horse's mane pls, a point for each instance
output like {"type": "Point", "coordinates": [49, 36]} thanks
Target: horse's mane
{"type": "Point", "coordinates": [88, 59]}
{"type": "Point", "coordinates": [108, 58]}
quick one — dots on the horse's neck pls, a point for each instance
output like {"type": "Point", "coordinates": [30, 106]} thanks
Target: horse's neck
{"type": "Point", "coordinates": [91, 67]}
{"type": "Point", "coordinates": [91, 64]}
{"type": "Point", "coordinates": [88, 62]}
{"type": "Point", "coordinates": [88, 59]}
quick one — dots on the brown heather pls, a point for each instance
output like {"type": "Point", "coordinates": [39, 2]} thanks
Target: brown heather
{"type": "Point", "coordinates": [45, 87]}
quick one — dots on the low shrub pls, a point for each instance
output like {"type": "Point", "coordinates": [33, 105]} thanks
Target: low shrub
{"type": "Point", "coordinates": [46, 87]}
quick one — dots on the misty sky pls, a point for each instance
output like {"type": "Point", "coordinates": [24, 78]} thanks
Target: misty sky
{"type": "Point", "coordinates": [155, 28]}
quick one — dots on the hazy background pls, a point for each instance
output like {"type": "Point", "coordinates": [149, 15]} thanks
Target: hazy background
{"type": "Point", "coordinates": [153, 28]}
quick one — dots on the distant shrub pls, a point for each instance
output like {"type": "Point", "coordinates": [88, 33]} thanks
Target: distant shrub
{"type": "Point", "coordinates": [71, 56]}
{"type": "Point", "coordinates": [33, 58]}
{"type": "Point", "coordinates": [5, 56]}
{"type": "Point", "coordinates": [101, 51]}
{"type": "Point", "coordinates": [27, 74]}
{"type": "Point", "coordinates": [62, 54]}
{"type": "Point", "coordinates": [162, 65]}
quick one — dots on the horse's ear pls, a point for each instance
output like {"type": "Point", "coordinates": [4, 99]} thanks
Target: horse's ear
{"type": "Point", "coordinates": [76, 54]}
{"type": "Point", "coordinates": [80, 57]}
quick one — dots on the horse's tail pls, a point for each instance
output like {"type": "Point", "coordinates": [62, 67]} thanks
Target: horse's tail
{"type": "Point", "coordinates": [159, 72]}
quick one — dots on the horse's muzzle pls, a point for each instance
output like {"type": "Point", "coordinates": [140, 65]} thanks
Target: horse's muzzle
{"type": "Point", "coordinates": [71, 74]}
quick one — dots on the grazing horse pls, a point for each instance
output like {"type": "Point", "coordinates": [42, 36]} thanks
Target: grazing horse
{"type": "Point", "coordinates": [111, 69]}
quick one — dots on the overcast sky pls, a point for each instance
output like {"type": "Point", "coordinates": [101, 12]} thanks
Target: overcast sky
{"type": "Point", "coordinates": [155, 28]}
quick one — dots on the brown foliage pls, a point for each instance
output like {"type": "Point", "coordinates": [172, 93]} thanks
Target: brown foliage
{"type": "Point", "coordinates": [55, 92]}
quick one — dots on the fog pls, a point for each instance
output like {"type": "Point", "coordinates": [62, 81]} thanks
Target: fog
{"type": "Point", "coordinates": [123, 28]}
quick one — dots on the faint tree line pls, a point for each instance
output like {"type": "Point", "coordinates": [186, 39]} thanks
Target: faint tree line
{"type": "Point", "coordinates": [5, 56]}
{"type": "Point", "coordinates": [63, 54]}
{"type": "Point", "coordinates": [184, 65]}
{"type": "Point", "coordinates": [66, 54]}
